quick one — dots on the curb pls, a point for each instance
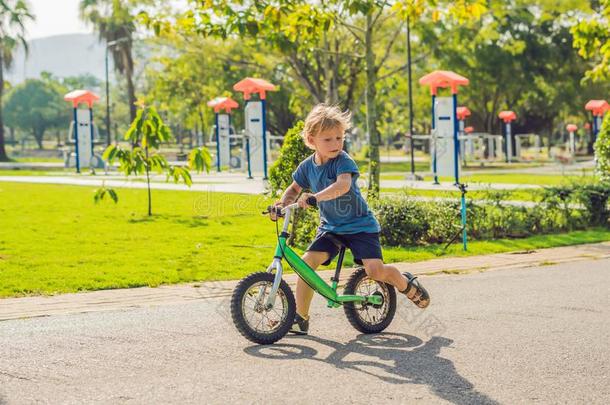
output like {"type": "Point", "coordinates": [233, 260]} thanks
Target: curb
{"type": "Point", "coordinates": [124, 299]}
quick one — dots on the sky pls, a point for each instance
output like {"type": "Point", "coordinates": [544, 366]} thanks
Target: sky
{"type": "Point", "coordinates": [55, 17]}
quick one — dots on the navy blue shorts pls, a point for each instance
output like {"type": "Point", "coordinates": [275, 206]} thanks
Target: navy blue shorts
{"type": "Point", "coordinates": [363, 245]}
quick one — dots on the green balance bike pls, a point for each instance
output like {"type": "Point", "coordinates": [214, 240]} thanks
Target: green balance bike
{"type": "Point", "coordinates": [263, 306]}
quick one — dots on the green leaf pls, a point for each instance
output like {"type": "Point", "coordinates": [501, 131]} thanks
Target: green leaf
{"type": "Point", "coordinates": [101, 192]}
{"type": "Point", "coordinates": [200, 159]}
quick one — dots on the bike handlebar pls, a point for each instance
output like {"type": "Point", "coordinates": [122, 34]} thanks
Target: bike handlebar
{"type": "Point", "coordinates": [311, 201]}
{"type": "Point", "coordinates": [280, 211]}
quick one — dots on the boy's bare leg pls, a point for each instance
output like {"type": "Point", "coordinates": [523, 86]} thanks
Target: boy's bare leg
{"type": "Point", "coordinates": [304, 292]}
{"type": "Point", "coordinates": [387, 273]}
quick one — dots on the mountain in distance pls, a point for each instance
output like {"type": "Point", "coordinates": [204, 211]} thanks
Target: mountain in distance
{"type": "Point", "coordinates": [62, 55]}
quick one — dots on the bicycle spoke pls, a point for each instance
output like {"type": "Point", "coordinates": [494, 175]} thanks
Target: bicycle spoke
{"type": "Point", "coordinates": [367, 312]}
{"type": "Point", "coordinates": [258, 317]}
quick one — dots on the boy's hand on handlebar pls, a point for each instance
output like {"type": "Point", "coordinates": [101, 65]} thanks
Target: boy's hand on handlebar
{"type": "Point", "coordinates": [275, 209]}
{"type": "Point", "coordinates": [303, 203]}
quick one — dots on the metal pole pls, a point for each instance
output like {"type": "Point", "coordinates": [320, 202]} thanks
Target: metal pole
{"type": "Point", "coordinates": [217, 143]}
{"type": "Point", "coordinates": [509, 142]}
{"type": "Point", "coordinates": [264, 139]}
{"type": "Point", "coordinates": [410, 97]}
{"type": "Point", "coordinates": [464, 233]}
{"type": "Point", "coordinates": [433, 140]}
{"type": "Point", "coordinates": [108, 137]}
{"type": "Point", "coordinates": [91, 133]}
{"type": "Point", "coordinates": [76, 139]}
{"type": "Point", "coordinates": [456, 142]}
{"type": "Point", "coordinates": [247, 136]}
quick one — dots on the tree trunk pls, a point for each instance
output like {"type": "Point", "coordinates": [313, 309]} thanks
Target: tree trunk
{"type": "Point", "coordinates": [3, 156]}
{"type": "Point", "coordinates": [131, 92]}
{"type": "Point", "coordinates": [203, 132]}
{"type": "Point", "coordinates": [148, 183]}
{"type": "Point", "coordinates": [38, 135]}
{"type": "Point", "coordinates": [371, 111]}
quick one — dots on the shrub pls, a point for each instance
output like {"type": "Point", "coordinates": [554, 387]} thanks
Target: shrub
{"type": "Point", "coordinates": [402, 220]}
{"type": "Point", "coordinates": [602, 149]}
{"type": "Point", "coordinates": [594, 197]}
{"type": "Point", "coordinates": [292, 153]}
{"type": "Point", "coordinates": [406, 222]}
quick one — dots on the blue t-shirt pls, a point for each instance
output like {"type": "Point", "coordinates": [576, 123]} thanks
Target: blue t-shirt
{"type": "Point", "coordinates": [346, 214]}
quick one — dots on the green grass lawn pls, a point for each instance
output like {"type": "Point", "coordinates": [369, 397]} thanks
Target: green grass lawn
{"type": "Point", "coordinates": [38, 159]}
{"type": "Point", "coordinates": [511, 178]}
{"type": "Point", "coordinates": [405, 167]}
{"type": "Point", "coordinates": [28, 172]}
{"type": "Point", "coordinates": [363, 166]}
{"type": "Point", "coordinates": [54, 239]}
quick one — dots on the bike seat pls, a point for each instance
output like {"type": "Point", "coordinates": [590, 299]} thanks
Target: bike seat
{"type": "Point", "coordinates": [334, 238]}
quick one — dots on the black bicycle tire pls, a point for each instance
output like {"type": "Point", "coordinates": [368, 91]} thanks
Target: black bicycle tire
{"type": "Point", "coordinates": [351, 311]}
{"type": "Point", "coordinates": [238, 317]}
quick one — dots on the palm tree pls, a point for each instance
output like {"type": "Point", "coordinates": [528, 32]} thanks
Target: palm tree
{"type": "Point", "coordinates": [115, 25]}
{"type": "Point", "coordinates": [13, 16]}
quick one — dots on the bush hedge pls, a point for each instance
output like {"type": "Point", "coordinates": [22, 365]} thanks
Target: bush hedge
{"type": "Point", "coordinates": [602, 149]}
{"type": "Point", "coordinates": [407, 222]}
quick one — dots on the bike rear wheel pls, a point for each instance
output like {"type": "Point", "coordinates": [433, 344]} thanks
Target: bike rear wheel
{"type": "Point", "coordinates": [251, 317]}
{"type": "Point", "coordinates": [366, 317]}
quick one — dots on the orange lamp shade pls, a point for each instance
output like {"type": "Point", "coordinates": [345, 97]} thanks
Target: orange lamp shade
{"type": "Point", "coordinates": [462, 113]}
{"type": "Point", "coordinates": [251, 85]}
{"type": "Point", "coordinates": [443, 78]}
{"type": "Point", "coordinates": [507, 116]}
{"type": "Point", "coordinates": [572, 128]}
{"type": "Point", "coordinates": [81, 96]}
{"type": "Point", "coordinates": [597, 107]}
{"type": "Point", "coordinates": [469, 130]}
{"type": "Point", "coordinates": [223, 103]}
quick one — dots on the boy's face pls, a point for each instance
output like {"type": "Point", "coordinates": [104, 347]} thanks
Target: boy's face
{"type": "Point", "coordinates": [328, 143]}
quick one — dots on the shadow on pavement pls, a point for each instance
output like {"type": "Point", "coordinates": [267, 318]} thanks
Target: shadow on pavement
{"type": "Point", "coordinates": [396, 358]}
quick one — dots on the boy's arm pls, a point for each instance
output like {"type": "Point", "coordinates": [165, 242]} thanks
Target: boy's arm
{"type": "Point", "coordinates": [335, 190]}
{"type": "Point", "coordinates": [290, 194]}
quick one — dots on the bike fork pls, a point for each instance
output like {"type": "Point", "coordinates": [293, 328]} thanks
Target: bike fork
{"type": "Point", "coordinates": [277, 265]}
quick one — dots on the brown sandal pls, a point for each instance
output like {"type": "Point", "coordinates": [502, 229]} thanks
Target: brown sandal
{"type": "Point", "coordinates": [421, 298]}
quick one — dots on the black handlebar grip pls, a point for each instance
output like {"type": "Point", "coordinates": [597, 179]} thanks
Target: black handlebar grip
{"type": "Point", "coordinates": [312, 201]}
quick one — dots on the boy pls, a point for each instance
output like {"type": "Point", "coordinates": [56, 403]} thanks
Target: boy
{"type": "Point", "coordinates": [330, 173]}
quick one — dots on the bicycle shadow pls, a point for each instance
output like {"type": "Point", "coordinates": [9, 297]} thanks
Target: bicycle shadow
{"type": "Point", "coordinates": [413, 362]}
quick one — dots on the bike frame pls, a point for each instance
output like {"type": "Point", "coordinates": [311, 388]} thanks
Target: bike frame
{"type": "Point", "coordinates": [308, 274]}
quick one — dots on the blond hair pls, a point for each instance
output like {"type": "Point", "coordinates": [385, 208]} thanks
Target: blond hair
{"type": "Point", "coordinates": [324, 117]}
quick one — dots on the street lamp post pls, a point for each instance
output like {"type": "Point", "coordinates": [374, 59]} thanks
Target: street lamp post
{"type": "Point", "coordinates": [108, 131]}
{"type": "Point", "coordinates": [108, 136]}
{"type": "Point", "coordinates": [410, 98]}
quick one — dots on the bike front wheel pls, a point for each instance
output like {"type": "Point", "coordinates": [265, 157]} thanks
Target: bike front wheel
{"type": "Point", "coordinates": [252, 318]}
{"type": "Point", "coordinates": [364, 316]}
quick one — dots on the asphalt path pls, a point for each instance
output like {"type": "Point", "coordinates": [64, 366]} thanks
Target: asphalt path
{"type": "Point", "coordinates": [535, 335]}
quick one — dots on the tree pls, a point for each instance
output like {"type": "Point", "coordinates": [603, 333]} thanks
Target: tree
{"type": "Point", "coordinates": [309, 36]}
{"type": "Point", "coordinates": [35, 106]}
{"type": "Point", "coordinates": [519, 56]}
{"type": "Point", "coordinates": [115, 25]}
{"type": "Point", "coordinates": [592, 39]}
{"type": "Point", "coordinates": [83, 81]}
{"type": "Point", "coordinates": [148, 131]}
{"type": "Point", "coordinates": [185, 74]}
{"type": "Point", "coordinates": [14, 14]}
